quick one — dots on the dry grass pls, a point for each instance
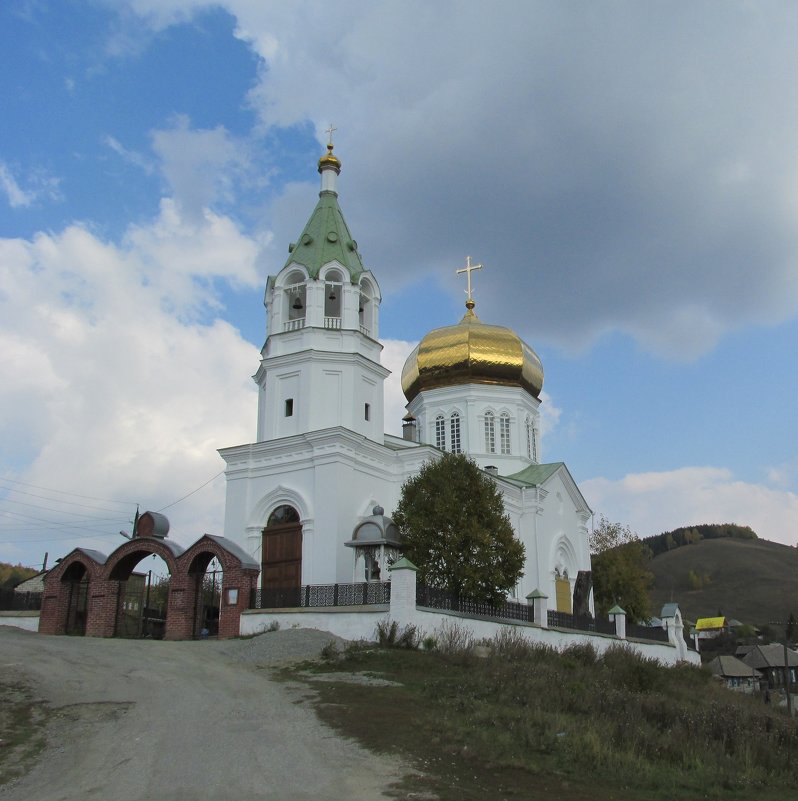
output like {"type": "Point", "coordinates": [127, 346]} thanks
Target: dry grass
{"type": "Point", "coordinates": [579, 724]}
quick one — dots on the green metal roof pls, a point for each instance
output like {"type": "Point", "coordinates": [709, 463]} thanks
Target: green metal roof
{"type": "Point", "coordinates": [326, 238]}
{"type": "Point", "coordinates": [534, 475]}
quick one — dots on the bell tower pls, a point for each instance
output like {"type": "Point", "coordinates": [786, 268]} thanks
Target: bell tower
{"type": "Point", "coordinates": [320, 366]}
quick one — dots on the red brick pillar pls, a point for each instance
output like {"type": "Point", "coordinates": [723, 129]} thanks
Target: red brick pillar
{"type": "Point", "coordinates": [236, 589]}
{"type": "Point", "coordinates": [103, 603]}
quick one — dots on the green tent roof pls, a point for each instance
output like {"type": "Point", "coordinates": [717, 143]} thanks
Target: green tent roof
{"type": "Point", "coordinates": [326, 238]}
{"type": "Point", "coordinates": [534, 475]}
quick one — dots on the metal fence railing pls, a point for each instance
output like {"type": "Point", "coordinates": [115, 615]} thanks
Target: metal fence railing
{"type": "Point", "coordinates": [598, 625]}
{"type": "Point", "coordinates": [435, 598]}
{"type": "Point", "coordinates": [322, 595]}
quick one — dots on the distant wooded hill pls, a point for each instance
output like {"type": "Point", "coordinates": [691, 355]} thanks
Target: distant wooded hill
{"type": "Point", "coordinates": [690, 535]}
{"type": "Point", "coordinates": [743, 577]}
{"type": "Point", "coordinates": [11, 575]}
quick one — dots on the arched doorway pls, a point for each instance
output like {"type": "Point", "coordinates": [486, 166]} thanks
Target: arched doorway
{"type": "Point", "coordinates": [206, 577]}
{"type": "Point", "coordinates": [143, 598]}
{"type": "Point", "coordinates": [76, 579]}
{"type": "Point", "coordinates": [281, 567]}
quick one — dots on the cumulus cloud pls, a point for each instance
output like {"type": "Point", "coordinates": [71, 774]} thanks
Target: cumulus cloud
{"type": "Point", "coordinates": [661, 501]}
{"type": "Point", "coordinates": [114, 384]}
{"type": "Point", "coordinates": [200, 166]}
{"type": "Point", "coordinates": [622, 169]}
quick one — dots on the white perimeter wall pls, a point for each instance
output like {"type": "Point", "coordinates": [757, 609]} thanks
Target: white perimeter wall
{"type": "Point", "coordinates": [21, 620]}
{"type": "Point", "coordinates": [353, 623]}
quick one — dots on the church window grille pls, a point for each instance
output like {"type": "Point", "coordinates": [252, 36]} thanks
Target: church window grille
{"type": "Point", "coordinates": [440, 432]}
{"type": "Point", "coordinates": [454, 431]}
{"type": "Point", "coordinates": [528, 426]}
{"type": "Point", "coordinates": [504, 432]}
{"type": "Point", "coordinates": [534, 445]}
{"type": "Point", "coordinates": [289, 407]}
{"type": "Point", "coordinates": [490, 432]}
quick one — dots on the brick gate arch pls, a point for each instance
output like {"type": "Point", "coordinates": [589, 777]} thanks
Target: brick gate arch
{"type": "Point", "coordinates": [68, 590]}
{"type": "Point", "coordinates": [104, 576]}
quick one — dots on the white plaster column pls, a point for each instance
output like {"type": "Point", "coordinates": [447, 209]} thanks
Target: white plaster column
{"type": "Point", "coordinates": [619, 616]}
{"type": "Point", "coordinates": [403, 591]}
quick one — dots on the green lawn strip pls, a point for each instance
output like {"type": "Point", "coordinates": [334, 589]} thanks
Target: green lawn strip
{"type": "Point", "coordinates": [584, 727]}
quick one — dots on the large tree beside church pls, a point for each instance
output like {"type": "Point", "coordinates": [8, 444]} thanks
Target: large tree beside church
{"type": "Point", "coordinates": [620, 570]}
{"type": "Point", "coordinates": [454, 529]}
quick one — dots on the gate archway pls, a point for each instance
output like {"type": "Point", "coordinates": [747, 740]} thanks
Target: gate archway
{"type": "Point", "coordinates": [76, 581]}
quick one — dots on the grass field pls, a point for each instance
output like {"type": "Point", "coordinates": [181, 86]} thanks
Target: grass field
{"type": "Point", "coordinates": [528, 723]}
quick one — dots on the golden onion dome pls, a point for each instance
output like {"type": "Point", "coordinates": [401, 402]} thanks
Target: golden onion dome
{"type": "Point", "coordinates": [471, 352]}
{"type": "Point", "coordinates": [330, 160]}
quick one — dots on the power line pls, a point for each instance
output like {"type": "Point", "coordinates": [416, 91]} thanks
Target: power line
{"type": "Point", "coordinates": [64, 492]}
{"type": "Point", "coordinates": [174, 503]}
{"type": "Point", "coordinates": [55, 500]}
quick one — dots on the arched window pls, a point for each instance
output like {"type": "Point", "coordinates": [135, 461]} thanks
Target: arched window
{"type": "Point", "coordinates": [440, 432]}
{"type": "Point", "coordinates": [490, 432]}
{"type": "Point", "coordinates": [528, 426]}
{"type": "Point", "coordinates": [504, 432]}
{"type": "Point", "coordinates": [454, 433]}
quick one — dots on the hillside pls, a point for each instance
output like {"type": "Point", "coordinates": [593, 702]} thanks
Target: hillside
{"type": "Point", "coordinates": [755, 581]}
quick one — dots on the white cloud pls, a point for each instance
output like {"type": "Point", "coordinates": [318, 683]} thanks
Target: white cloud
{"type": "Point", "coordinates": [14, 193]}
{"type": "Point", "coordinates": [394, 355]}
{"type": "Point", "coordinates": [661, 501]}
{"type": "Point", "coordinates": [114, 385]}
{"type": "Point", "coordinates": [40, 185]}
{"type": "Point", "coordinates": [621, 169]}
{"type": "Point", "coordinates": [201, 167]}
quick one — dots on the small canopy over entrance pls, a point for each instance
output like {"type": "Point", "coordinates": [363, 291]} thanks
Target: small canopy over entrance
{"type": "Point", "coordinates": [377, 543]}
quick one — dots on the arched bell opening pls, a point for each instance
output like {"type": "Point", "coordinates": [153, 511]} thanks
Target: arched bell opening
{"type": "Point", "coordinates": [333, 298]}
{"type": "Point", "coordinates": [295, 301]}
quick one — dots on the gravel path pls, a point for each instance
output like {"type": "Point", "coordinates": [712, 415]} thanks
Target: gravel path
{"type": "Point", "coordinates": [138, 720]}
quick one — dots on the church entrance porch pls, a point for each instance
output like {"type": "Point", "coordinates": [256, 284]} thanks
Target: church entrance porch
{"type": "Point", "coordinates": [281, 568]}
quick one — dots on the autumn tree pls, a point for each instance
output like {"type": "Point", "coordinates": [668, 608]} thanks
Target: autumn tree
{"type": "Point", "coordinates": [455, 530]}
{"type": "Point", "coordinates": [620, 570]}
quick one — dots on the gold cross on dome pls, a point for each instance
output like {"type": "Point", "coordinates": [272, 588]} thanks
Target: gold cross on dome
{"type": "Point", "coordinates": [468, 269]}
{"type": "Point", "coordinates": [330, 131]}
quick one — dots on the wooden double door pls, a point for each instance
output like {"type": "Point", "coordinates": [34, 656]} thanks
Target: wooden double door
{"type": "Point", "coordinates": [282, 557]}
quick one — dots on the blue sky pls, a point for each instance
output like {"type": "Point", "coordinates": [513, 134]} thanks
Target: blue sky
{"type": "Point", "coordinates": [626, 172]}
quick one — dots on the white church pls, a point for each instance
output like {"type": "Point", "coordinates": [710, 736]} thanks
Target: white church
{"type": "Point", "coordinates": [311, 498]}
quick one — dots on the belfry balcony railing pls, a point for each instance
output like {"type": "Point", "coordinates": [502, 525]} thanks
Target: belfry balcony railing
{"type": "Point", "coordinates": [332, 322]}
{"type": "Point", "coordinates": [364, 593]}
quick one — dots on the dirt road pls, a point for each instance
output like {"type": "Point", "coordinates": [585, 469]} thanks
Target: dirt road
{"type": "Point", "coordinates": [138, 720]}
